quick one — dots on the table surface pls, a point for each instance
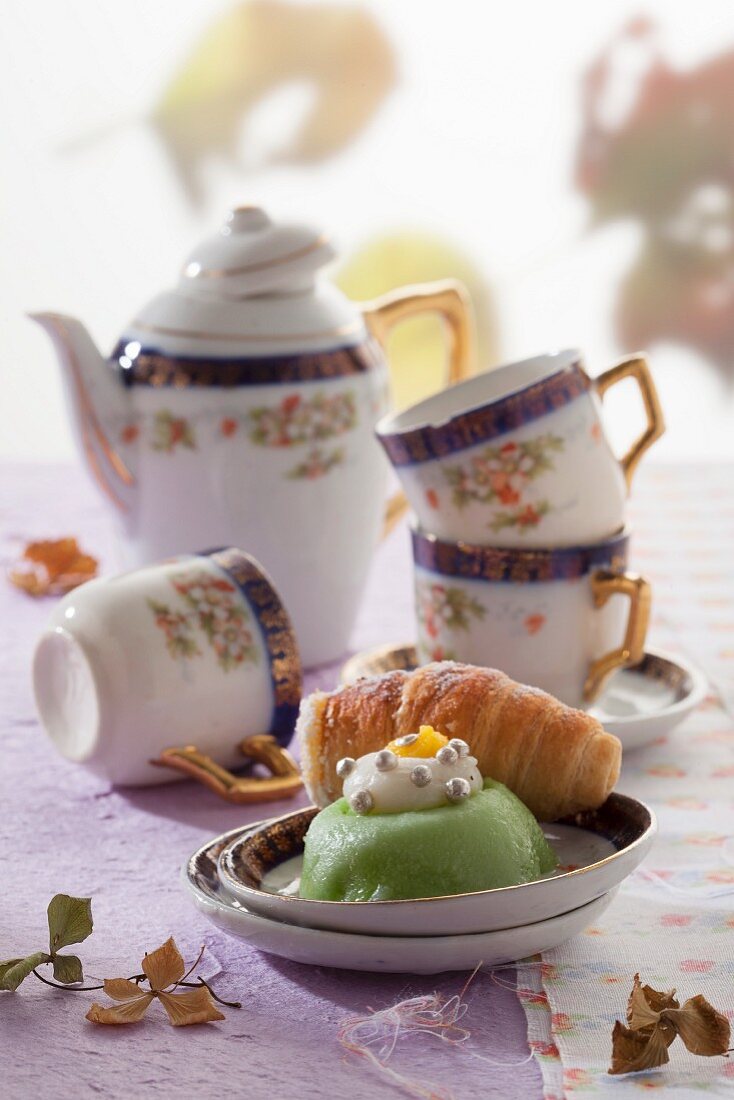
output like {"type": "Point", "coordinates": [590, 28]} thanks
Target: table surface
{"type": "Point", "coordinates": [64, 831]}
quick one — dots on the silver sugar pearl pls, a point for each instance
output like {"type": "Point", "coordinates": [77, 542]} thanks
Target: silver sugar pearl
{"type": "Point", "coordinates": [461, 746]}
{"type": "Point", "coordinates": [385, 760]}
{"type": "Point", "coordinates": [447, 755]}
{"type": "Point", "coordinates": [345, 766]}
{"type": "Point", "coordinates": [421, 775]}
{"type": "Point", "coordinates": [457, 789]}
{"type": "Point", "coordinates": [407, 739]}
{"type": "Point", "coordinates": [361, 802]}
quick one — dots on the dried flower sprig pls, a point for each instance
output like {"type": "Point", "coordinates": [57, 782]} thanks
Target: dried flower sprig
{"type": "Point", "coordinates": [70, 921]}
{"type": "Point", "coordinates": [165, 972]}
{"type": "Point", "coordinates": [655, 1019]}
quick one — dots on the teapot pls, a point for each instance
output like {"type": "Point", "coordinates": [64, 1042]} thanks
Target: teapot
{"type": "Point", "coordinates": [237, 409]}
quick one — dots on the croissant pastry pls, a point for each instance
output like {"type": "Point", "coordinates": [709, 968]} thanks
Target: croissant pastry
{"type": "Point", "coordinates": [557, 760]}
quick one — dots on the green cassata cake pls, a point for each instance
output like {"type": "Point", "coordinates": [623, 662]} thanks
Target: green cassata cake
{"type": "Point", "coordinates": [417, 820]}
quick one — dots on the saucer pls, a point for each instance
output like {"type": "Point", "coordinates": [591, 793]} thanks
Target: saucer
{"type": "Point", "coordinates": [649, 699]}
{"type": "Point", "coordinates": [597, 850]}
{"type": "Point", "coordinates": [638, 704]}
{"type": "Point", "coordinates": [376, 954]}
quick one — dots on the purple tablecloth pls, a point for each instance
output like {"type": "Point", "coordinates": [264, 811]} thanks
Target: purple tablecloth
{"type": "Point", "coordinates": [64, 831]}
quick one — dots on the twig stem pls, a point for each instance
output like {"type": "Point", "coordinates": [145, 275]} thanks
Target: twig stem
{"type": "Point", "coordinates": [136, 978]}
{"type": "Point", "coordinates": [227, 1004]}
{"type": "Point", "coordinates": [68, 988]}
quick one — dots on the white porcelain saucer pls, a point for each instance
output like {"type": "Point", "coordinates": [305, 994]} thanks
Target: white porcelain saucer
{"type": "Point", "coordinates": [638, 704]}
{"type": "Point", "coordinates": [377, 954]}
{"type": "Point", "coordinates": [650, 699]}
{"type": "Point", "coordinates": [596, 851]}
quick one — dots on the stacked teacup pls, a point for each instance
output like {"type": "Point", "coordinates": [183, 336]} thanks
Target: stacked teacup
{"type": "Point", "coordinates": [521, 542]}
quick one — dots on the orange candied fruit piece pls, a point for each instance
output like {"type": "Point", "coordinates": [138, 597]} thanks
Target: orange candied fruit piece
{"type": "Point", "coordinates": [427, 743]}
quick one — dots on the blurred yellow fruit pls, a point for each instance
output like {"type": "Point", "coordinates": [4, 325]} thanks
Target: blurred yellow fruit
{"type": "Point", "coordinates": [253, 49]}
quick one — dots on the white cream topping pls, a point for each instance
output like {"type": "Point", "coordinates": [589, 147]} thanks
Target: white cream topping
{"type": "Point", "coordinates": [395, 789]}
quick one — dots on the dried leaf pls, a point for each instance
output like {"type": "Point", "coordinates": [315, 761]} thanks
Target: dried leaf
{"type": "Point", "coordinates": [645, 1004]}
{"type": "Point", "coordinates": [704, 1030]}
{"type": "Point", "coordinates": [14, 971]}
{"type": "Point", "coordinates": [128, 1012]}
{"type": "Point", "coordinates": [165, 966]}
{"type": "Point", "coordinates": [193, 1007]}
{"type": "Point", "coordinates": [52, 568]}
{"type": "Point", "coordinates": [69, 920]}
{"type": "Point", "coordinates": [121, 989]}
{"type": "Point", "coordinates": [636, 1050]}
{"type": "Point", "coordinates": [655, 1020]}
{"type": "Point", "coordinates": [68, 969]}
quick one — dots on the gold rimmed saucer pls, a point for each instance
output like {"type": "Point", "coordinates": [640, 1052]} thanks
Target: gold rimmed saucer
{"type": "Point", "coordinates": [597, 850]}
{"type": "Point", "coordinates": [409, 954]}
{"type": "Point", "coordinates": [638, 704]}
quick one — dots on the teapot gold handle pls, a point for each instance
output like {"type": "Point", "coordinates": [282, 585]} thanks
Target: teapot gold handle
{"type": "Point", "coordinates": [450, 300]}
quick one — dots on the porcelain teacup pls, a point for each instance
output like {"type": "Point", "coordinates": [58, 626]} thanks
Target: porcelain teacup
{"type": "Point", "coordinates": [519, 454]}
{"type": "Point", "coordinates": [174, 664]}
{"type": "Point", "coordinates": [549, 618]}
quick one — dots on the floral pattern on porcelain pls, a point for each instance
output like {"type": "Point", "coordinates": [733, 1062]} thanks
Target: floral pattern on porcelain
{"type": "Point", "coordinates": [293, 422]}
{"type": "Point", "coordinates": [442, 609]}
{"type": "Point", "coordinates": [534, 623]}
{"type": "Point", "coordinates": [171, 432]}
{"type": "Point", "coordinates": [212, 608]}
{"type": "Point", "coordinates": [317, 463]}
{"type": "Point", "coordinates": [297, 420]}
{"type": "Point", "coordinates": [500, 475]}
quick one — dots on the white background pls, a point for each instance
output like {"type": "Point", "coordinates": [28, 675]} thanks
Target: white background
{"type": "Point", "coordinates": [476, 142]}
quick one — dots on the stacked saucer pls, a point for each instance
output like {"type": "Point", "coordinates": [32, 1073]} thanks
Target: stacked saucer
{"type": "Point", "coordinates": [521, 543]}
{"type": "Point", "coordinates": [246, 883]}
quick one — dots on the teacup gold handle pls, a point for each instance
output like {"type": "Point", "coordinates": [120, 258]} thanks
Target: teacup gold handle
{"type": "Point", "coordinates": [448, 298]}
{"type": "Point", "coordinates": [636, 367]}
{"type": "Point", "coordinates": [604, 584]}
{"type": "Point", "coordinates": [284, 781]}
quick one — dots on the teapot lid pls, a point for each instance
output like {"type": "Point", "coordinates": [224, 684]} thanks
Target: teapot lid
{"type": "Point", "coordinates": [252, 255]}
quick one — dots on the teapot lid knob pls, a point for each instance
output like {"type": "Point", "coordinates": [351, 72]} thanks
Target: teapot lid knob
{"type": "Point", "coordinates": [252, 255]}
{"type": "Point", "coordinates": [243, 219]}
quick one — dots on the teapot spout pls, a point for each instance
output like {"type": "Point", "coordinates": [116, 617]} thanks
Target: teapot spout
{"type": "Point", "coordinates": [96, 399]}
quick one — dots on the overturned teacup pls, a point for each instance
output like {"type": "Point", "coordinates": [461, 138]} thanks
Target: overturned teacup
{"type": "Point", "coordinates": [190, 663]}
{"type": "Point", "coordinates": [518, 455]}
{"type": "Point", "coordinates": [554, 619]}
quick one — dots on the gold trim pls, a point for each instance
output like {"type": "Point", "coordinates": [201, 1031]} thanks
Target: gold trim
{"type": "Point", "coordinates": [395, 508]}
{"type": "Point", "coordinates": [194, 334]}
{"type": "Point", "coordinates": [447, 297]}
{"type": "Point", "coordinates": [518, 564]}
{"type": "Point", "coordinates": [155, 368]}
{"type": "Point", "coordinates": [636, 367]}
{"type": "Point", "coordinates": [450, 300]}
{"type": "Point", "coordinates": [603, 585]}
{"type": "Point", "coordinates": [275, 625]}
{"type": "Point", "coordinates": [89, 420]}
{"type": "Point", "coordinates": [283, 782]}
{"type": "Point", "coordinates": [259, 265]}
{"type": "Point", "coordinates": [426, 441]}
